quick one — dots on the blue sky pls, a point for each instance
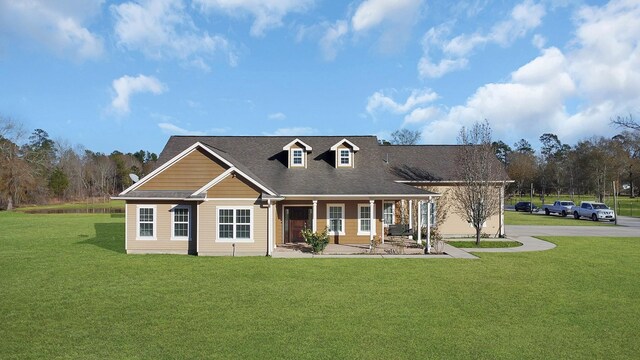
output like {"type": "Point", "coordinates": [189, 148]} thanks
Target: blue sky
{"type": "Point", "coordinates": [127, 74]}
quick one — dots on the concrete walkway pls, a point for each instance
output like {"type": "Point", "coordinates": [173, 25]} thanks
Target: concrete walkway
{"type": "Point", "coordinates": [528, 244]}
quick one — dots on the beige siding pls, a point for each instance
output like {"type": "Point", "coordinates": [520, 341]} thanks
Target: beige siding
{"type": "Point", "coordinates": [208, 232]}
{"type": "Point", "coordinates": [233, 187]}
{"type": "Point", "coordinates": [163, 218]}
{"type": "Point", "coordinates": [454, 225]}
{"type": "Point", "coordinates": [351, 219]}
{"type": "Point", "coordinates": [189, 173]}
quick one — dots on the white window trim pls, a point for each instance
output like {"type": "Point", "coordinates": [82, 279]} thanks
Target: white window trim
{"type": "Point", "coordinates": [155, 222]}
{"type": "Point", "coordinates": [234, 239]}
{"type": "Point", "coordinates": [340, 164]}
{"type": "Point", "coordinates": [302, 164]}
{"type": "Point", "coordinates": [341, 232]}
{"type": "Point", "coordinates": [372, 226]}
{"type": "Point", "coordinates": [173, 223]}
{"type": "Point", "coordinates": [393, 212]}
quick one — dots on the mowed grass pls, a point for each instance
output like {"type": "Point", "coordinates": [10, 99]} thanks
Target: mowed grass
{"type": "Point", "coordinates": [485, 244]}
{"type": "Point", "coordinates": [67, 290]}
{"type": "Point", "coordinates": [539, 218]}
{"type": "Point", "coordinates": [81, 205]}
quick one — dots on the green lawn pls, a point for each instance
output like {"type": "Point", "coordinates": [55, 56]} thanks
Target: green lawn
{"type": "Point", "coordinates": [523, 218]}
{"type": "Point", "coordinates": [484, 244]}
{"type": "Point", "coordinates": [67, 290]}
{"type": "Point", "coordinates": [82, 205]}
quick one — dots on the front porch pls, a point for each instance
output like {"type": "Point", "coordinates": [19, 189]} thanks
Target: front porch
{"type": "Point", "coordinates": [395, 247]}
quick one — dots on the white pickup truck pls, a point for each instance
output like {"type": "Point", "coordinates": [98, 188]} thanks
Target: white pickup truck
{"type": "Point", "coordinates": [560, 207]}
{"type": "Point", "coordinates": [594, 211]}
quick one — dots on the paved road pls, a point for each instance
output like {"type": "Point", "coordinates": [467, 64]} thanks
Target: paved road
{"type": "Point", "coordinates": [627, 226]}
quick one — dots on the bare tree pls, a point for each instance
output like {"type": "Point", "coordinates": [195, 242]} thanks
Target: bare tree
{"type": "Point", "coordinates": [405, 137]}
{"type": "Point", "coordinates": [477, 198]}
{"type": "Point", "coordinates": [626, 122]}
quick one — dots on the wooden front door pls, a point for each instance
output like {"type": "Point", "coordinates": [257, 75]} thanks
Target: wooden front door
{"type": "Point", "coordinates": [299, 218]}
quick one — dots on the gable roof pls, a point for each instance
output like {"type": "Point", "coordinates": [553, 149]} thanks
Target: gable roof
{"type": "Point", "coordinates": [306, 147]}
{"type": "Point", "coordinates": [352, 145]}
{"type": "Point", "coordinates": [264, 156]}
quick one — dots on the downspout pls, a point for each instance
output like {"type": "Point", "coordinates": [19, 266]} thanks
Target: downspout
{"type": "Point", "coordinates": [269, 228]}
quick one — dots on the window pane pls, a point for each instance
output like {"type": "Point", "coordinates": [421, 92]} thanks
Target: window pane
{"type": "Point", "coordinates": [146, 214]}
{"type": "Point", "coordinates": [146, 229]}
{"type": "Point", "coordinates": [344, 157]}
{"type": "Point", "coordinates": [243, 216]}
{"type": "Point", "coordinates": [388, 213]}
{"type": "Point", "coordinates": [226, 216]}
{"type": "Point", "coordinates": [243, 231]}
{"type": "Point", "coordinates": [181, 230]}
{"type": "Point", "coordinates": [181, 215]}
{"type": "Point", "coordinates": [335, 225]}
{"type": "Point", "coordinates": [364, 224]}
{"type": "Point", "coordinates": [226, 231]}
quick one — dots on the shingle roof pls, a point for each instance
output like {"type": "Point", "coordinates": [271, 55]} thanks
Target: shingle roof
{"type": "Point", "coordinates": [377, 167]}
{"type": "Point", "coordinates": [264, 156]}
{"type": "Point", "coordinates": [428, 163]}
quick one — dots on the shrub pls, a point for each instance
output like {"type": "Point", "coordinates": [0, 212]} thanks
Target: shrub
{"type": "Point", "coordinates": [317, 240]}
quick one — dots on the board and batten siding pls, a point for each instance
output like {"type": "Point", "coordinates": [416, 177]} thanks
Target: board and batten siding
{"type": "Point", "coordinates": [163, 217]}
{"type": "Point", "coordinates": [189, 173]}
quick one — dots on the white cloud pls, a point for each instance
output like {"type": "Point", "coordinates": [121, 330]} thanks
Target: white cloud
{"type": "Point", "coordinates": [333, 38]}
{"type": "Point", "coordinates": [277, 116]}
{"type": "Point", "coordinates": [524, 17]}
{"type": "Point", "coordinates": [127, 86]}
{"type": "Point", "coordinates": [421, 115]}
{"type": "Point", "coordinates": [380, 101]}
{"type": "Point", "coordinates": [163, 29]}
{"type": "Point", "coordinates": [372, 13]}
{"type": "Point", "coordinates": [267, 14]}
{"type": "Point", "coordinates": [599, 76]}
{"type": "Point", "coordinates": [171, 129]}
{"type": "Point", "coordinates": [292, 131]}
{"type": "Point", "coordinates": [57, 25]}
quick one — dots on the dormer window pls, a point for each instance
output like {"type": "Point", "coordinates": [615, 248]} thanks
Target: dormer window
{"type": "Point", "coordinates": [297, 157]}
{"type": "Point", "coordinates": [345, 157]}
{"type": "Point", "coordinates": [297, 152]}
{"type": "Point", "coordinates": [345, 151]}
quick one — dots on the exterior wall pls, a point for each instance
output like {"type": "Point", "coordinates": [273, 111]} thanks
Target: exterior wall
{"type": "Point", "coordinates": [189, 173]}
{"type": "Point", "coordinates": [350, 219]}
{"type": "Point", "coordinates": [337, 156]}
{"type": "Point", "coordinates": [454, 225]}
{"type": "Point", "coordinates": [208, 233]}
{"type": "Point", "coordinates": [232, 187]}
{"type": "Point", "coordinates": [163, 218]}
{"type": "Point", "coordinates": [290, 157]}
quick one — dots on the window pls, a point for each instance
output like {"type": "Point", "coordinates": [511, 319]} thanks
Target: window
{"type": "Point", "coordinates": [297, 157]}
{"type": "Point", "coordinates": [423, 214]}
{"type": "Point", "coordinates": [180, 223]}
{"type": "Point", "coordinates": [235, 224]}
{"type": "Point", "coordinates": [146, 222]}
{"type": "Point", "coordinates": [336, 219]}
{"type": "Point", "coordinates": [345, 157]}
{"type": "Point", "coordinates": [388, 213]}
{"type": "Point", "coordinates": [364, 219]}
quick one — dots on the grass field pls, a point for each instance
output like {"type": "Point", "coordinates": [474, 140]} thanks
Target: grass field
{"type": "Point", "coordinates": [523, 218]}
{"type": "Point", "coordinates": [484, 244]}
{"type": "Point", "coordinates": [626, 205]}
{"type": "Point", "coordinates": [82, 205]}
{"type": "Point", "coordinates": [69, 291]}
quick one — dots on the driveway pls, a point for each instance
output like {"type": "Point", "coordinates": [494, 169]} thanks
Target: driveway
{"type": "Point", "coordinates": [627, 226]}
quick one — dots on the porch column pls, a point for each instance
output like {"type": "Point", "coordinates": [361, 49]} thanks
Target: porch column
{"type": "Point", "coordinates": [372, 218]}
{"type": "Point", "coordinates": [314, 221]}
{"type": "Point", "coordinates": [502, 210]}
{"type": "Point", "coordinates": [269, 228]}
{"type": "Point", "coordinates": [419, 222]}
{"type": "Point", "coordinates": [429, 226]}
{"type": "Point", "coordinates": [410, 214]}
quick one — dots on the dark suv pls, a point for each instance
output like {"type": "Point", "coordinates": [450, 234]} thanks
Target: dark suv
{"type": "Point", "coordinates": [525, 206]}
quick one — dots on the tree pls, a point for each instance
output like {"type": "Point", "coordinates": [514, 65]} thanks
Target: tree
{"type": "Point", "coordinates": [16, 177]}
{"type": "Point", "coordinates": [58, 182]}
{"type": "Point", "coordinates": [523, 146]}
{"type": "Point", "coordinates": [626, 122]}
{"type": "Point", "coordinates": [502, 151]}
{"type": "Point", "coordinates": [477, 198]}
{"type": "Point", "coordinates": [405, 137]}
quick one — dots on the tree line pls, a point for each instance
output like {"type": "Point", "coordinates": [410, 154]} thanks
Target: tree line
{"type": "Point", "coordinates": [35, 169]}
{"type": "Point", "coordinates": [590, 166]}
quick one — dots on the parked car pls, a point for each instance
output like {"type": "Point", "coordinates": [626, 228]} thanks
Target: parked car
{"type": "Point", "coordinates": [593, 210]}
{"type": "Point", "coordinates": [560, 207]}
{"type": "Point", "coordinates": [525, 206]}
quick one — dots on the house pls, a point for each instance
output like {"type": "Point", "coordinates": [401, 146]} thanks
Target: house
{"type": "Point", "coordinates": [247, 195]}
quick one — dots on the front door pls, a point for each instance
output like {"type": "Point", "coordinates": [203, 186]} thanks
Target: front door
{"type": "Point", "coordinates": [298, 219]}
